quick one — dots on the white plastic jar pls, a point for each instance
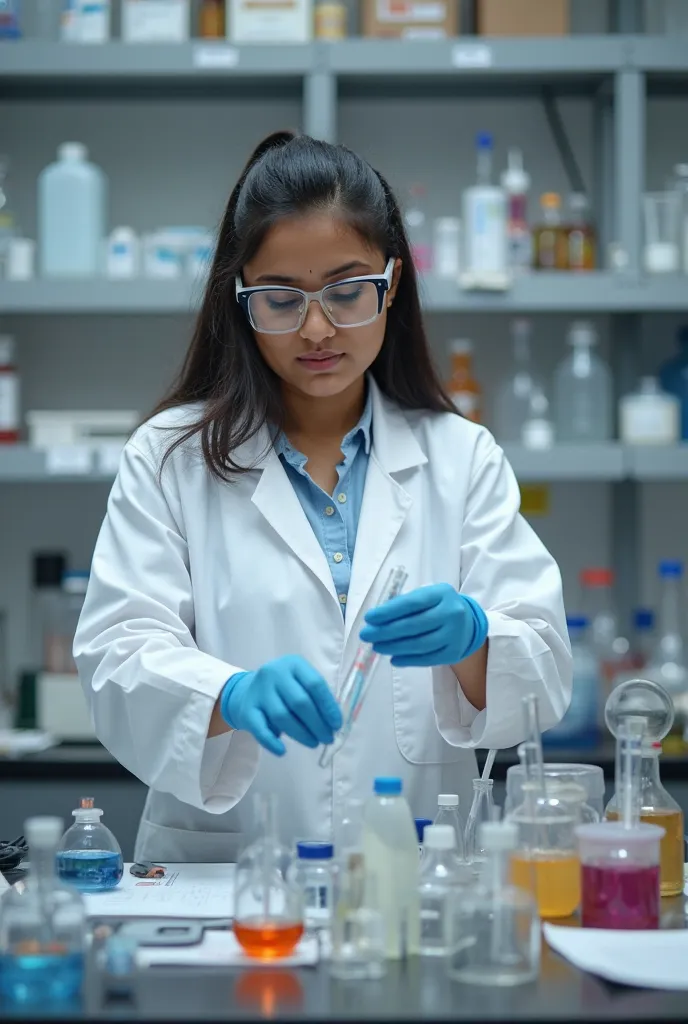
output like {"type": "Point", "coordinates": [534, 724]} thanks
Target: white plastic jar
{"type": "Point", "coordinates": [312, 872]}
{"type": "Point", "coordinates": [649, 415]}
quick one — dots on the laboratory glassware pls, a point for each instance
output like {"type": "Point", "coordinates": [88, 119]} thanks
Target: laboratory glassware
{"type": "Point", "coordinates": [448, 813]}
{"type": "Point", "coordinates": [580, 234]}
{"type": "Point", "coordinates": [390, 854]}
{"type": "Point", "coordinates": [681, 187]}
{"type": "Point", "coordinates": [419, 229]}
{"type": "Point", "coordinates": [662, 215]}
{"type": "Point", "coordinates": [89, 857]}
{"type": "Point", "coordinates": [512, 407]}
{"type": "Point", "coordinates": [649, 415]}
{"type": "Point", "coordinates": [648, 701]}
{"type": "Point", "coordinates": [621, 860]}
{"type": "Point", "coordinates": [447, 247]}
{"type": "Point", "coordinates": [44, 642]}
{"type": "Point", "coordinates": [481, 811]}
{"type": "Point", "coordinates": [358, 926]}
{"type": "Point", "coordinates": [538, 430]}
{"type": "Point", "coordinates": [550, 238]}
{"type": "Point", "coordinates": [546, 861]}
{"type": "Point", "coordinates": [421, 825]}
{"type": "Point", "coordinates": [667, 664]}
{"type": "Point", "coordinates": [583, 390]}
{"type": "Point", "coordinates": [485, 218]}
{"type": "Point", "coordinates": [8, 227]}
{"type": "Point", "coordinates": [311, 872]}
{"type": "Point", "coordinates": [516, 184]}
{"type": "Point", "coordinates": [495, 928]}
{"type": "Point", "coordinates": [673, 376]}
{"type": "Point", "coordinates": [72, 200]}
{"type": "Point", "coordinates": [268, 905]}
{"type": "Point", "coordinates": [589, 776]}
{"type": "Point", "coordinates": [352, 693]}
{"type": "Point", "coordinates": [579, 726]}
{"type": "Point", "coordinates": [442, 874]}
{"type": "Point", "coordinates": [643, 636]}
{"type": "Point", "coordinates": [611, 648]}
{"type": "Point", "coordinates": [42, 928]}
{"type": "Point", "coordinates": [462, 387]}
{"type": "Point", "coordinates": [10, 414]}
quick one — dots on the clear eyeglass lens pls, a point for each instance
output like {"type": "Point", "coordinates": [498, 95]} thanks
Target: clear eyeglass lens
{"type": "Point", "coordinates": [352, 303]}
{"type": "Point", "coordinates": [348, 305]}
{"type": "Point", "coordinates": [276, 309]}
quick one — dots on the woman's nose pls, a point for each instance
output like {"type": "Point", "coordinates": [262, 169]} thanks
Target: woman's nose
{"type": "Point", "coordinates": [316, 327]}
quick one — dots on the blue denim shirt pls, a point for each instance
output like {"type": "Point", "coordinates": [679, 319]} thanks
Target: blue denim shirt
{"type": "Point", "coordinates": [334, 518]}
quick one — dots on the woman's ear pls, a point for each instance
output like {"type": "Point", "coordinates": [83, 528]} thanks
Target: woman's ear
{"type": "Point", "coordinates": [396, 274]}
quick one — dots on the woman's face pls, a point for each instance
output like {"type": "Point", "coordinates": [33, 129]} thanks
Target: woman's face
{"type": "Point", "coordinates": [309, 252]}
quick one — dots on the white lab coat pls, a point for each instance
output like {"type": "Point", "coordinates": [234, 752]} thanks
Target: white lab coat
{"type": "Point", "coordinates": [194, 579]}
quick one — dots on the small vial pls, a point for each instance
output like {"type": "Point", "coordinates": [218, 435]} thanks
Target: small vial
{"type": "Point", "coordinates": [312, 873]}
{"type": "Point", "coordinates": [441, 876]}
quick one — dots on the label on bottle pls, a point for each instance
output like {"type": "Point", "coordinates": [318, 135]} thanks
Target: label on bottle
{"type": "Point", "coordinates": [9, 401]}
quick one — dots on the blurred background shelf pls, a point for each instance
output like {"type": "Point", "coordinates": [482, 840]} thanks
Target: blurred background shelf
{"type": "Point", "coordinates": [568, 462]}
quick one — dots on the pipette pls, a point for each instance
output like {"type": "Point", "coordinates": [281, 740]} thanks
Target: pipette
{"type": "Point", "coordinates": [352, 692]}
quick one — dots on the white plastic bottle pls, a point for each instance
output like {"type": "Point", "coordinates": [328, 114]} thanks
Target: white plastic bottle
{"type": "Point", "coordinates": [649, 415]}
{"type": "Point", "coordinates": [390, 851]}
{"type": "Point", "coordinates": [448, 814]}
{"type": "Point", "coordinates": [72, 196]}
{"type": "Point", "coordinates": [484, 219]}
{"type": "Point", "coordinates": [122, 254]}
{"type": "Point", "coordinates": [583, 391]}
{"type": "Point", "coordinates": [516, 184]}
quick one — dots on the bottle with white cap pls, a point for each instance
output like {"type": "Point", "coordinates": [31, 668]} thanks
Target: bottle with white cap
{"type": "Point", "coordinates": [495, 927]}
{"type": "Point", "coordinates": [448, 814]}
{"type": "Point", "coordinates": [71, 214]}
{"type": "Point", "coordinates": [441, 876]}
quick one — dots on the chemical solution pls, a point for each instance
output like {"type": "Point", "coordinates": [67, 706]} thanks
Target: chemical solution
{"type": "Point", "coordinates": [90, 870]}
{"type": "Point", "coordinates": [553, 880]}
{"type": "Point", "coordinates": [41, 977]}
{"type": "Point", "coordinates": [620, 896]}
{"type": "Point", "coordinates": [268, 940]}
{"type": "Point", "coordinates": [670, 848]}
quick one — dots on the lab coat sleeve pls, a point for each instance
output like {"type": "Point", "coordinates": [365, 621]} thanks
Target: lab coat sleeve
{"type": "Point", "coordinates": [150, 689]}
{"type": "Point", "coordinates": [507, 569]}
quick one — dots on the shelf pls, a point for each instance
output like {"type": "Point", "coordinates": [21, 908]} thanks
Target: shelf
{"type": "Point", "coordinates": [534, 293]}
{"type": "Point", "coordinates": [21, 464]}
{"type": "Point", "coordinates": [567, 462]}
{"type": "Point", "coordinates": [658, 462]}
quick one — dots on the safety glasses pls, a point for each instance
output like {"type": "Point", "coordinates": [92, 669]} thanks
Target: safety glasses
{"type": "Point", "coordinates": [354, 302]}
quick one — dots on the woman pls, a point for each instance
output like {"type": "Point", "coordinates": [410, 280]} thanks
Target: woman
{"type": "Point", "coordinates": [307, 448]}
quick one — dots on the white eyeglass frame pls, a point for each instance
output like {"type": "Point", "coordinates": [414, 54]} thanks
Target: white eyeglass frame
{"type": "Point", "coordinates": [383, 283]}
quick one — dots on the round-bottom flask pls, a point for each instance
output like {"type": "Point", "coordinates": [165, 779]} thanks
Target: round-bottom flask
{"type": "Point", "coordinates": [89, 857]}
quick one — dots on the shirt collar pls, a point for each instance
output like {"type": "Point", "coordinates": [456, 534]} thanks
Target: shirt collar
{"type": "Point", "coordinates": [364, 427]}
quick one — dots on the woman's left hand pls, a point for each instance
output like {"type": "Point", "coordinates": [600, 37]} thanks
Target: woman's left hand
{"type": "Point", "coordinates": [428, 626]}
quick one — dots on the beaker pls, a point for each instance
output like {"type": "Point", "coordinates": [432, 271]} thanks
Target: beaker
{"type": "Point", "coordinates": [590, 776]}
{"type": "Point", "coordinates": [479, 814]}
{"type": "Point", "coordinates": [662, 215]}
{"type": "Point", "coordinates": [546, 859]}
{"type": "Point", "coordinates": [620, 875]}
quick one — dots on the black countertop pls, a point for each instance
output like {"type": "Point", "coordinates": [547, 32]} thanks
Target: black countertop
{"type": "Point", "coordinates": [71, 761]}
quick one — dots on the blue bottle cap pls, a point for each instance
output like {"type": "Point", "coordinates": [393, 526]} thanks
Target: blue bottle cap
{"type": "Point", "coordinates": [643, 618]}
{"type": "Point", "coordinates": [386, 786]}
{"type": "Point", "coordinates": [671, 568]}
{"type": "Point", "coordinates": [421, 824]}
{"type": "Point", "coordinates": [577, 622]}
{"type": "Point", "coordinates": [313, 850]}
{"type": "Point", "coordinates": [483, 140]}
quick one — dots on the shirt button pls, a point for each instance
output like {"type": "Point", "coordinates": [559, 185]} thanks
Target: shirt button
{"type": "Point", "coordinates": [329, 511]}
{"type": "Point", "coordinates": [341, 498]}
{"type": "Point", "coordinates": [338, 557]}
{"type": "Point", "coordinates": [342, 598]}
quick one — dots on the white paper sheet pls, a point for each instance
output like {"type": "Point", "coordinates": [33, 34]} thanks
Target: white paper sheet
{"type": "Point", "coordinates": [645, 959]}
{"type": "Point", "coordinates": [220, 948]}
{"type": "Point", "coordinates": [188, 890]}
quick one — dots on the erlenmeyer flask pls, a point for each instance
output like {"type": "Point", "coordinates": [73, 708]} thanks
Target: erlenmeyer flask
{"type": "Point", "coordinates": [480, 812]}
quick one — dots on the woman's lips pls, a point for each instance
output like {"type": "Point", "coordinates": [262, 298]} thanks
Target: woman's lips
{"type": "Point", "coordinates": [320, 362]}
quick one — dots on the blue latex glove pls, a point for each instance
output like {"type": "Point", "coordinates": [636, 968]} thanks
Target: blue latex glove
{"type": "Point", "coordinates": [429, 626]}
{"type": "Point", "coordinates": [283, 696]}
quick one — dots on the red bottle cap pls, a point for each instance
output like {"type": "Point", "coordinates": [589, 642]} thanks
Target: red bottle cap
{"type": "Point", "coordinates": [597, 578]}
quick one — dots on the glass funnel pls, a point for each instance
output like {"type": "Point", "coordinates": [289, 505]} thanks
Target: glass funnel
{"type": "Point", "coordinates": [42, 928]}
{"type": "Point", "coordinates": [89, 857]}
{"type": "Point", "coordinates": [481, 812]}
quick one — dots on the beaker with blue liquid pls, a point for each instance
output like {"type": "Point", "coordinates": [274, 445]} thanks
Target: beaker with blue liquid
{"type": "Point", "coordinates": [89, 857]}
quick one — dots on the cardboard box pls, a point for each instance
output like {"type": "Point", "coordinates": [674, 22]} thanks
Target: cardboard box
{"type": "Point", "coordinates": [270, 21]}
{"type": "Point", "coordinates": [410, 19]}
{"type": "Point", "coordinates": [523, 17]}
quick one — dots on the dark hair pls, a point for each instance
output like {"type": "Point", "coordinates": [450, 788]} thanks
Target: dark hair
{"type": "Point", "coordinates": [289, 174]}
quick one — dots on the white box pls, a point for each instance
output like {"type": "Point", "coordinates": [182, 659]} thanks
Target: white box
{"type": "Point", "coordinates": [61, 427]}
{"type": "Point", "coordinates": [270, 21]}
{"type": "Point", "coordinates": [155, 21]}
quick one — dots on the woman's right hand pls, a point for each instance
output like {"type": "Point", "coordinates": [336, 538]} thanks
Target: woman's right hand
{"type": "Point", "coordinates": [286, 695]}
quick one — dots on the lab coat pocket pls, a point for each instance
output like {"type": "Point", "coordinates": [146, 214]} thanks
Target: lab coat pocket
{"type": "Point", "coordinates": [415, 725]}
{"type": "Point", "coordinates": [179, 845]}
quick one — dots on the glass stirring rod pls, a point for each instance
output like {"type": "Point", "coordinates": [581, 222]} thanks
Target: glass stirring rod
{"type": "Point", "coordinates": [355, 686]}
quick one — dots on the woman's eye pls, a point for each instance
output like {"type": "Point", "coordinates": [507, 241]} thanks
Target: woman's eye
{"type": "Point", "coordinates": [279, 305]}
{"type": "Point", "coordinates": [343, 296]}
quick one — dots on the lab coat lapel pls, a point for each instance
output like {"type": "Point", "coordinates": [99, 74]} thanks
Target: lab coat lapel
{"type": "Point", "coordinates": [385, 501]}
{"type": "Point", "coordinates": [276, 500]}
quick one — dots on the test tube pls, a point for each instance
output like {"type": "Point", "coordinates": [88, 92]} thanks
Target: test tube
{"type": "Point", "coordinates": [629, 752]}
{"type": "Point", "coordinates": [352, 693]}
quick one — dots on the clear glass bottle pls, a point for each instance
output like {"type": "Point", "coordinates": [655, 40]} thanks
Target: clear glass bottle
{"type": "Point", "coordinates": [448, 814]}
{"type": "Point", "coordinates": [441, 876]}
{"type": "Point", "coordinates": [612, 650]}
{"type": "Point", "coordinates": [311, 872]}
{"type": "Point", "coordinates": [667, 665]}
{"type": "Point", "coordinates": [89, 856]}
{"type": "Point", "coordinates": [643, 636]}
{"type": "Point", "coordinates": [550, 238]}
{"type": "Point", "coordinates": [512, 407]}
{"type": "Point", "coordinates": [42, 929]}
{"type": "Point", "coordinates": [462, 387]}
{"type": "Point", "coordinates": [579, 726]}
{"type": "Point", "coordinates": [419, 229]}
{"type": "Point", "coordinates": [495, 938]}
{"type": "Point", "coordinates": [516, 184]}
{"type": "Point", "coordinates": [481, 811]}
{"type": "Point", "coordinates": [583, 391]}
{"type": "Point", "coordinates": [538, 429]}
{"type": "Point", "coordinates": [580, 234]}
